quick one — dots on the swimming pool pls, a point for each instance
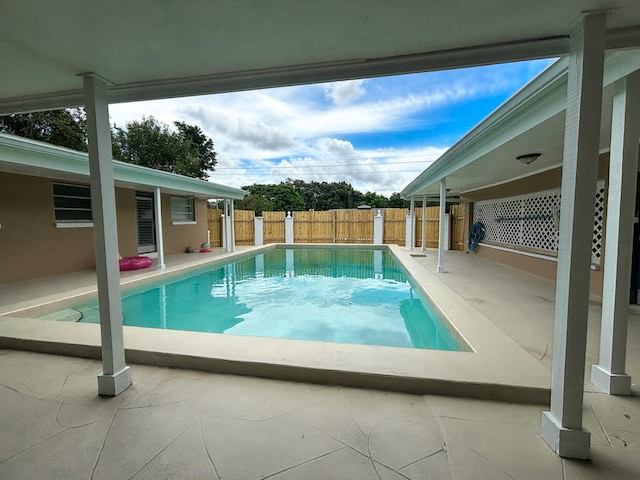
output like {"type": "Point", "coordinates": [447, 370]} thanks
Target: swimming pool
{"type": "Point", "coordinates": [351, 295]}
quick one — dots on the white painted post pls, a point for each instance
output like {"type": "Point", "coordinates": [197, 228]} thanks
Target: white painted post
{"type": "Point", "coordinates": [609, 375]}
{"type": "Point", "coordinates": [158, 220]}
{"type": "Point", "coordinates": [258, 231]}
{"type": "Point", "coordinates": [223, 220]}
{"type": "Point", "coordinates": [441, 224]}
{"type": "Point", "coordinates": [562, 424]}
{"type": "Point", "coordinates": [412, 225]}
{"type": "Point", "coordinates": [232, 227]}
{"type": "Point", "coordinates": [225, 226]}
{"type": "Point", "coordinates": [288, 228]}
{"type": "Point", "coordinates": [115, 376]}
{"type": "Point", "coordinates": [378, 234]}
{"type": "Point", "coordinates": [424, 224]}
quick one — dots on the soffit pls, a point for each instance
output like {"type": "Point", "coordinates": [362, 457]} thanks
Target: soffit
{"type": "Point", "coordinates": [151, 49]}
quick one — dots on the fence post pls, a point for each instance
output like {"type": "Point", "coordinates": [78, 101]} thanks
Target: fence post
{"type": "Point", "coordinates": [258, 231]}
{"type": "Point", "coordinates": [288, 228]}
{"type": "Point", "coordinates": [377, 228]}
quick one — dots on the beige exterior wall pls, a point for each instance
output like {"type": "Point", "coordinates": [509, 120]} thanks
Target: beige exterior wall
{"type": "Point", "coordinates": [32, 246]}
{"type": "Point", "coordinates": [178, 237]}
{"type": "Point", "coordinates": [536, 183]}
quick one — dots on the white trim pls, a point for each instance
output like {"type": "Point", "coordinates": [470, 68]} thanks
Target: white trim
{"type": "Point", "coordinates": [184, 223]}
{"type": "Point", "coordinates": [74, 224]}
{"type": "Point", "coordinates": [520, 252]}
{"type": "Point", "coordinates": [30, 157]}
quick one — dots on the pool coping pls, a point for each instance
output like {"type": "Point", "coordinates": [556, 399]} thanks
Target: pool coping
{"type": "Point", "coordinates": [496, 368]}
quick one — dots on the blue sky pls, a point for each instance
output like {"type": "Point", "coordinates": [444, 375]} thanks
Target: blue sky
{"type": "Point", "coordinates": [376, 134]}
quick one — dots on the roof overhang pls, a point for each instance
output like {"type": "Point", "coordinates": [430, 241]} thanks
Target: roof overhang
{"type": "Point", "coordinates": [530, 121]}
{"type": "Point", "coordinates": [28, 157]}
{"type": "Point", "coordinates": [148, 50]}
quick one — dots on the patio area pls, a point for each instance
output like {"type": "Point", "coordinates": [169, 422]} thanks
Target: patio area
{"type": "Point", "coordinates": [180, 423]}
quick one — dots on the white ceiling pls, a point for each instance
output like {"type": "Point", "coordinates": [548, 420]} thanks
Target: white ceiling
{"type": "Point", "coordinates": [154, 49]}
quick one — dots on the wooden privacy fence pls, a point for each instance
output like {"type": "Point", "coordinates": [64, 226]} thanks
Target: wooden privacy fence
{"type": "Point", "coordinates": [354, 226]}
{"type": "Point", "coordinates": [273, 227]}
{"type": "Point", "coordinates": [244, 225]}
{"type": "Point", "coordinates": [433, 227]}
{"type": "Point", "coordinates": [457, 227]}
{"type": "Point", "coordinates": [214, 220]}
{"type": "Point", "coordinates": [340, 226]}
{"type": "Point", "coordinates": [314, 227]}
{"type": "Point", "coordinates": [394, 227]}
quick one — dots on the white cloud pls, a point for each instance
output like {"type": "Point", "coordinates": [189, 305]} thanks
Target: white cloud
{"type": "Point", "coordinates": [383, 171]}
{"type": "Point", "coordinates": [342, 93]}
{"type": "Point", "coordinates": [266, 136]}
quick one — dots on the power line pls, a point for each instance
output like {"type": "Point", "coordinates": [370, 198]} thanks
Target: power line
{"type": "Point", "coordinates": [319, 166]}
{"type": "Point", "coordinates": [318, 173]}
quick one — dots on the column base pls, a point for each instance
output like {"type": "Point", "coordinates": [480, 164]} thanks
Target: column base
{"type": "Point", "coordinates": [566, 442]}
{"type": "Point", "coordinates": [440, 269]}
{"type": "Point", "coordinates": [112, 385]}
{"type": "Point", "coordinates": [611, 383]}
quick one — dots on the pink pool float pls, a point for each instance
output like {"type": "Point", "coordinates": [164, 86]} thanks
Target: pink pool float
{"type": "Point", "coordinates": [134, 263]}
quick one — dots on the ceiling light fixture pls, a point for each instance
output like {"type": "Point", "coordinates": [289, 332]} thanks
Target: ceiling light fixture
{"type": "Point", "coordinates": [528, 158]}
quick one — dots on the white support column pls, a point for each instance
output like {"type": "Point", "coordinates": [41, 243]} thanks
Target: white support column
{"type": "Point", "coordinates": [423, 247]}
{"type": "Point", "coordinates": [232, 229]}
{"type": "Point", "coordinates": [258, 231]}
{"type": "Point", "coordinates": [288, 228]}
{"type": "Point", "coordinates": [562, 425]}
{"type": "Point", "coordinates": [609, 375]}
{"type": "Point", "coordinates": [412, 225]}
{"type": "Point", "coordinates": [225, 233]}
{"type": "Point", "coordinates": [157, 205]}
{"type": "Point", "coordinates": [378, 228]}
{"type": "Point", "coordinates": [115, 376]}
{"type": "Point", "coordinates": [442, 224]}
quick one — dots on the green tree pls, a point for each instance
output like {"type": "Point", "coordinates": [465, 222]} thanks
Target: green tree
{"type": "Point", "coordinates": [283, 196]}
{"type": "Point", "coordinates": [150, 143]}
{"type": "Point", "coordinates": [375, 200]}
{"type": "Point", "coordinates": [396, 201]}
{"type": "Point", "coordinates": [257, 203]}
{"type": "Point", "coordinates": [199, 155]}
{"type": "Point", "coordinates": [65, 128]}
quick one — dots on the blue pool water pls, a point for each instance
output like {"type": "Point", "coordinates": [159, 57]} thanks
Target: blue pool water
{"type": "Point", "coordinates": [322, 294]}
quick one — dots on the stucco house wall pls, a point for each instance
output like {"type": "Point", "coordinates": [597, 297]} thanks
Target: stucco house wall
{"type": "Point", "coordinates": [31, 245]}
{"type": "Point", "coordinates": [177, 237]}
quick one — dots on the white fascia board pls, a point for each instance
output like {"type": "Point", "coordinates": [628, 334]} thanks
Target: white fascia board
{"type": "Point", "coordinates": [539, 100]}
{"type": "Point", "coordinates": [543, 95]}
{"type": "Point", "coordinates": [38, 155]}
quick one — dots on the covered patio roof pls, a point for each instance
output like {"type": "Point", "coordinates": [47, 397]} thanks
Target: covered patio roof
{"type": "Point", "coordinates": [147, 51]}
{"type": "Point", "coordinates": [29, 157]}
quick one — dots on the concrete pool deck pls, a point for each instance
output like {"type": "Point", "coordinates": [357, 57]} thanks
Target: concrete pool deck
{"type": "Point", "coordinates": [481, 372]}
{"type": "Point", "coordinates": [184, 424]}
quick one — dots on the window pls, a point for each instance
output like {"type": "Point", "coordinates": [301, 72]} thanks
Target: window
{"type": "Point", "coordinates": [72, 204]}
{"type": "Point", "coordinates": [182, 210]}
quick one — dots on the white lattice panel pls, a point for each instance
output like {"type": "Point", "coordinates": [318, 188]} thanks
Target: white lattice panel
{"type": "Point", "coordinates": [532, 221]}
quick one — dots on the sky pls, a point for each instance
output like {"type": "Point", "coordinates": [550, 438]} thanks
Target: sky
{"type": "Point", "coordinates": [377, 134]}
